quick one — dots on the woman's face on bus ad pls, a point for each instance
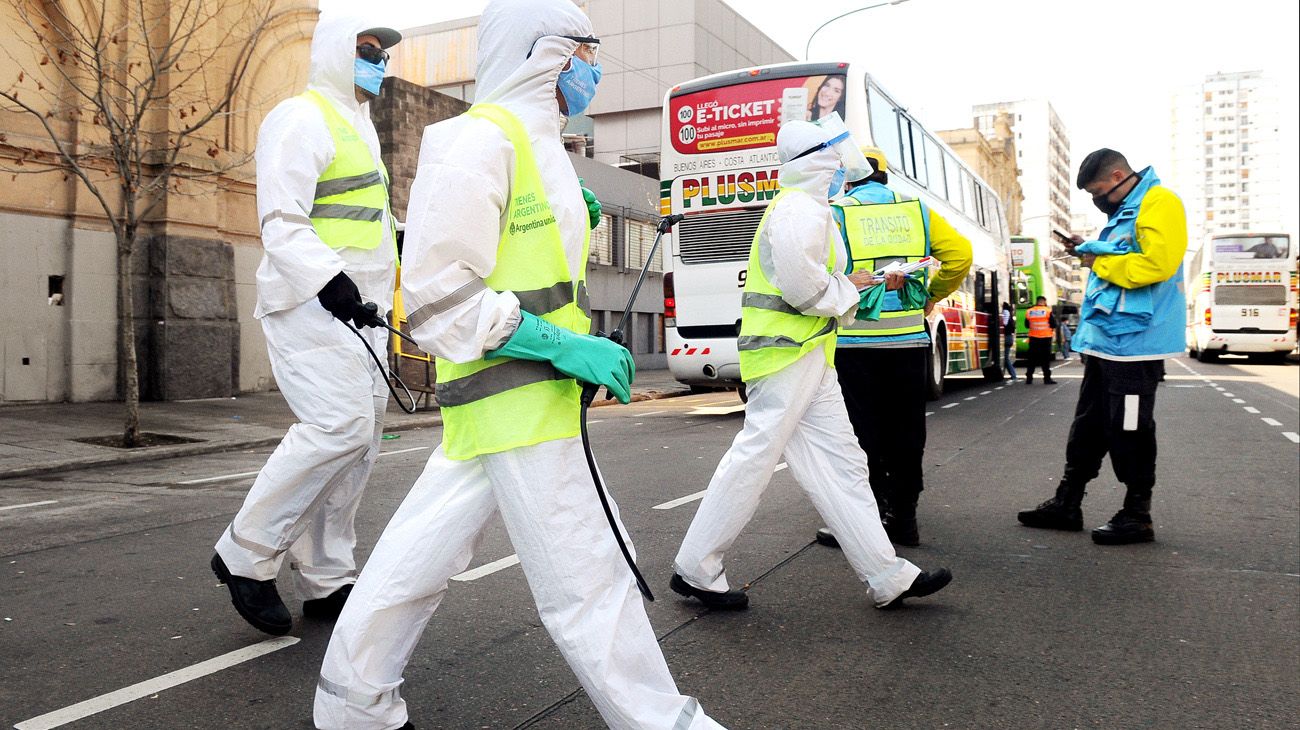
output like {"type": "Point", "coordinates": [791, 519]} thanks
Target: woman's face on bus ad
{"type": "Point", "coordinates": [829, 93]}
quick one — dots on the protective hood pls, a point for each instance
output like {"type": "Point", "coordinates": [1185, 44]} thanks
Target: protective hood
{"type": "Point", "coordinates": [810, 173]}
{"type": "Point", "coordinates": [507, 31]}
{"type": "Point", "coordinates": [333, 51]}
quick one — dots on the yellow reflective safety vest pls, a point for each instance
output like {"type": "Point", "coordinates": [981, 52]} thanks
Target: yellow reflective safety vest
{"type": "Point", "coordinates": [879, 233]}
{"type": "Point", "coordinates": [489, 406]}
{"type": "Point", "coordinates": [773, 334]}
{"type": "Point", "coordinates": [352, 194]}
{"type": "Point", "coordinates": [1039, 320]}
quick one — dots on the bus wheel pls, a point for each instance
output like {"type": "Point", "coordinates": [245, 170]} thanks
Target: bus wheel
{"type": "Point", "coordinates": [1207, 356]}
{"type": "Point", "coordinates": [937, 367]}
{"type": "Point", "coordinates": [1192, 353]}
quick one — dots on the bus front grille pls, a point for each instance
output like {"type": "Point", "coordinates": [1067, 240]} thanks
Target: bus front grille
{"type": "Point", "coordinates": [1250, 295]}
{"type": "Point", "coordinates": [717, 237]}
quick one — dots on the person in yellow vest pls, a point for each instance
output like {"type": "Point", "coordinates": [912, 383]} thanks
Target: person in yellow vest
{"type": "Point", "coordinates": [1042, 332]}
{"type": "Point", "coordinates": [495, 255]}
{"type": "Point", "coordinates": [795, 295]}
{"type": "Point", "coordinates": [882, 363]}
{"type": "Point", "coordinates": [328, 241]}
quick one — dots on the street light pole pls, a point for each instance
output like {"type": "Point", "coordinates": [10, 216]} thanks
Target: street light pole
{"type": "Point", "coordinates": [837, 17]}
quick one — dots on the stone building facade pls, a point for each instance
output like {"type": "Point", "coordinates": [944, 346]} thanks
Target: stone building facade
{"type": "Point", "coordinates": [993, 158]}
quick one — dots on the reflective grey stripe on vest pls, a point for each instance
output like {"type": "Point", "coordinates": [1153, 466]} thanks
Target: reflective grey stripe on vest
{"type": "Point", "coordinates": [687, 715]}
{"type": "Point", "coordinates": [359, 699]}
{"type": "Point", "coordinates": [544, 301]}
{"type": "Point", "coordinates": [425, 313]}
{"type": "Point", "coordinates": [584, 299]}
{"type": "Point", "coordinates": [758, 342]}
{"type": "Point", "coordinates": [491, 381]}
{"type": "Point", "coordinates": [340, 185]}
{"type": "Point", "coordinates": [891, 323]}
{"type": "Point", "coordinates": [346, 212]}
{"type": "Point", "coordinates": [265, 551]}
{"type": "Point", "coordinates": [770, 302]}
{"type": "Point", "coordinates": [328, 572]}
{"type": "Point", "coordinates": [288, 217]}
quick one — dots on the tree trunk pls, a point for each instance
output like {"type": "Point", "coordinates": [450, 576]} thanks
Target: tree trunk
{"type": "Point", "coordinates": [130, 377]}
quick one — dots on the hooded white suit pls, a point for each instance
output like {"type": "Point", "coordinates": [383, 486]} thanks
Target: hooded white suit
{"type": "Point", "coordinates": [585, 595]}
{"type": "Point", "coordinates": [799, 410]}
{"type": "Point", "coordinates": [305, 498]}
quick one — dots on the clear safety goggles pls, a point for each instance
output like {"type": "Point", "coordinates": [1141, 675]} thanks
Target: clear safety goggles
{"type": "Point", "coordinates": [855, 164]}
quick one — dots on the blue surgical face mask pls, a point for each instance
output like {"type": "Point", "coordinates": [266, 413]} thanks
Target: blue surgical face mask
{"type": "Point", "coordinates": [578, 85]}
{"type": "Point", "coordinates": [369, 76]}
{"type": "Point", "coordinates": [837, 182]}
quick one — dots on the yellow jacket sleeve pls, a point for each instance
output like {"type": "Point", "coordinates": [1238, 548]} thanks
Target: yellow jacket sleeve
{"type": "Point", "coordinates": [953, 251]}
{"type": "Point", "coordinates": [1162, 236]}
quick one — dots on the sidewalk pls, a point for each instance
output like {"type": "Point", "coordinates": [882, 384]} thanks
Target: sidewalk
{"type": "Point", "coordinates": [42, 438]}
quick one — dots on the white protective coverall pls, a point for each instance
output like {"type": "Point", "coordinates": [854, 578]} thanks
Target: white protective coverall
{"type": "Point", "coordinates": [306, 496]}
{"type": "Point", "coordinates": [799, 410]}
{"type": "Point", "coordinates": [585, 594]}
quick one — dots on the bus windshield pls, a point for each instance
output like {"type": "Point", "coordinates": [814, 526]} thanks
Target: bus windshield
{"type": "Point", "coordinates": [1241, 248]}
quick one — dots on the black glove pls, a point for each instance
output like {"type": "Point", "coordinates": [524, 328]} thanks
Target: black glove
{"type": "Point", "coordinates": [340, 297]}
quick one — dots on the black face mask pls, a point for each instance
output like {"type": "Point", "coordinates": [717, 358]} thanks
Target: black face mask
{"type": "Point", "coordinates": [1103, 201]}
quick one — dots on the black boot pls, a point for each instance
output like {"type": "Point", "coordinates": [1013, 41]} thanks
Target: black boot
{"type": "Point", "coordinates": [1061, 512]}
{"type": "Point", "coordinates": [1131, 524]}
{"type": "Point", "coordinates": [729, 601]}
{"type": "Point", "coordinates": [827, 538]}
{"type": "Point", "coordinates": [329, 607]}
{"type": "Point", "coordinates": [256, 600]}
{"type": "Point", "coordinates": [925, 584]}
{"type": "Point", "coordinates": [900, 524]}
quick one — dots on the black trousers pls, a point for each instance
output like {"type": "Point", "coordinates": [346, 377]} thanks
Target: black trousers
{"type": "Point", "coordinates": [884, 391]}
{"type": "Point", "coordinates": [1115, 415]}
{"type": "Point", "coordinates": [1040, 355]}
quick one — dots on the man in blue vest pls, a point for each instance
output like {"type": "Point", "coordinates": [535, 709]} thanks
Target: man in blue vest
{"type": "Point", "coordinates": [1132, 318]}
{"type": "Point", "coordinates": [881, 364]}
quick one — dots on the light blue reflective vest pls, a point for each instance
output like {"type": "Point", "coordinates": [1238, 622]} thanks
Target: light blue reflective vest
{"type": "Point", "coordinates": [874, 192]}
{"type": "Point", "coordinates": [1165, 336]}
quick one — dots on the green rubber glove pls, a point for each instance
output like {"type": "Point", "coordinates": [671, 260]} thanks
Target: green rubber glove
{"type": "Point", "coordinates": [593, 206]}
{"type": "Point", "coordinates": [589, 359]}
{"type": "Point", "coordinates": [913, 295]}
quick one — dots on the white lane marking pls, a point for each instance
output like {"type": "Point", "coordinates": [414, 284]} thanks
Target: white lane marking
{"type": "Point", "coordinates": [929, 413]}
{"type": "Point", "coordinates": [952, 405]}
{"type": "Point", "coordinates": [1000, 387]}
{"type": "Point", "coordinates": [29, 504]}
{"type": "Point", "coordinates": [155, 685]}
{"type": "Point", "coordinates": [1219, 389]}
{"type": "Point", "coordinates": [601, 420]}
{"type": "Point", "coordinates": [651, 413]}
{"type": "Point", "coordinates": [1238, 400]}
{"type": "Point", "coordinates": [970, 397]}
{"type": "Point", "coordinates": [1293, 436]}
{"type": "Point", "coordinates": [222, 478]}
{"type": "Point", "coordinates": [716, 410]}
{"type": "Point", "coordinates": [487, 568]}
{"type": "Point", "coordinates": [245, 474]}
{"type": "Point", "coordinates": [700, 495]}
{"type": "Point", "coordinates": [986, 392]}
{"type": "Point", "coordinates": [1271, 421]}
{"type": "Point", "coordinates": [1229, 395]}
{"type": "Point", "coordinates": [1250, 409]}
{"type": "Point", "coordinates": [680, 501]}
{"type": "Point", "coordinates": [382, 454]}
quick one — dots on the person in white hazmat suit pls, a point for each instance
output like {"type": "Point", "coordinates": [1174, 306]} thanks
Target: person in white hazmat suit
{"type": "Point", "coordinates": [494, 259]}
{"type": "Point", "coordinates": [328, 238]}
{"type": "Point", "coordinates": [794, 296]}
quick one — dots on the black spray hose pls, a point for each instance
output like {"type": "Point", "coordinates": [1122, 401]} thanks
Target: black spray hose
{"type": "Point", "coordinates": [374, 320]}
{"type": "Point", "coordinates": [589, 394]}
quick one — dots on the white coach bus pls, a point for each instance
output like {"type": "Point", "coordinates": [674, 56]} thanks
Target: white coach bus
{"type": "Point", "coordinates": [719, 168]}
{"type": "Point", "coordinates": [1242, 297]}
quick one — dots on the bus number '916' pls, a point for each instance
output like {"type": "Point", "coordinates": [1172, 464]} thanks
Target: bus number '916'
{"type": "Point", "coordinates": [740, 279]}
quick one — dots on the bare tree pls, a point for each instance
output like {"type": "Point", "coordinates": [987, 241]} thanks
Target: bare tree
{"type": "Point", "coordinates": [125, 95]}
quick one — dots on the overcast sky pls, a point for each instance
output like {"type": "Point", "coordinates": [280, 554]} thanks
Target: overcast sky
{"type": "Point", "coordinates": [1109, 67]}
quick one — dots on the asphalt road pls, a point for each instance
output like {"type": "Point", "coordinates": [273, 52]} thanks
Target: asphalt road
{"type": "Point", "coordinates": [104, 584]}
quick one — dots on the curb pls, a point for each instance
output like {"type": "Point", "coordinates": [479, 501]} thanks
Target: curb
{"type": "Point", "coordinates": [217, 447]}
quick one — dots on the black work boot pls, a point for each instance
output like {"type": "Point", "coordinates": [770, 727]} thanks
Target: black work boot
{"type": "Point", "coordinates": [926, 583]}
{"type": "Point", "coordinates": [1129, 525]}
{"type": "Point", "coordinates": [729, 601]}
{"type": "Point", "coordinates": [329, 607]}
{"type": "Point", "coordinates": [1061, 512]}
{"type": "Point", "coordinates": [256, 600]}
{"type": "Point", "coordinates": [827, 538]}
{"type": "Point", "coordinates": [900, 524]}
